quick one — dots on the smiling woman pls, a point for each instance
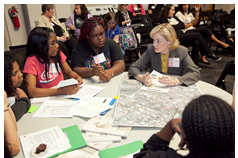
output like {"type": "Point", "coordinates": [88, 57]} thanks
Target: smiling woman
{"type": "Point", "coordinates": [93, 45]}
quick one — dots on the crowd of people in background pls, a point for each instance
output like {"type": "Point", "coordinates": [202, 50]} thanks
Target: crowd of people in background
{"type": "Point", "coordinates": [52, 52]}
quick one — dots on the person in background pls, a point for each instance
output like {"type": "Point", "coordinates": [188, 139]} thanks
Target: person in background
{"type": "Point", "coordinates": [167, 16]}
{"type": "Point", "coordinates": [154, 9]}
{"type": "Point", "coordinates": [15, 86]}
{"type": "Point", "coordinates": [207, 128]}
{"type": "Point", "coordinates": [137, 9]}
{"type": "Point", "coordinates": [112, 28]}
{"type": "Point", "coordinates": [45, 65]}
{"type": "Point", "coordinates": [11, 140]}
{"type": "Point", "coordinates": [164, 49]}
{"type": "Point", "coordinates": [91, 44]}
{"type": "Point", "coordinates": [190, 21]}
{"type": "Point", "coordinates": [76, 19]}
{"type": "Point", "coordinates": [47, 19]}
{"type": "Point", "coordinates": [124, 15]}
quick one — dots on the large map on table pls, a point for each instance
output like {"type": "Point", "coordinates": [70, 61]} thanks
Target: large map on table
{"type": "Point", "coordinates": [138, 107]}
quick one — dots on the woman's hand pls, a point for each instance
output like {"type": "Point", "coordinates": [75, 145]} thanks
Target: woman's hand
{"type": "Point", "coordinates": [176, 125]}
{"type": "Point", "coordinates": [63, 39]}
{"type": "Point", "coordinates": [80, 81]}
{"type": "Point", "coordinates": [20, 93]}
{"type": "Point", "coordinates": [197, 8]}
{"type": "Point", "coordinates": [70, 89]}
{"type": "Point", "coordinates": [167, 80]}
{"type": "Point", "coordinates": [147, 79]}
{"type": "Point", "coordinates": [105, 76]}
{"type": "Point", "coordinates": [72, 27]}
{"type": "Point", "coordinates": [98, 69]}
{"type": "Point", "coordinates": [149, 11]}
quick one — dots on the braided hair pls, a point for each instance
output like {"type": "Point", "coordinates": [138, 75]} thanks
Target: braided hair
{"type": "Point", "coordinates": [88, 25]}
{"type": "Point", "coordinates": [8, 68]}
{"type": "Point", "coordinates": [209, 126]}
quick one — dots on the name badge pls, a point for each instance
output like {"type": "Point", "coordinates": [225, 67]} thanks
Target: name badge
{"type": "Point", "coordinates": [99, 58]}
{"type": "Point", "coordinates": [153, 7]}
{"type": "Point", "coordinates": [173, 62]}
{"type": "Point", "coordinates": [53, 68]}
{"type": "Point", "coordinates": [52, 24]}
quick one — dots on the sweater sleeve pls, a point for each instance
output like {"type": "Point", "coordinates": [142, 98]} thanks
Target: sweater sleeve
{"type": "Point", "coordinates": [142, 10]}
{"type": "Point", "coordinates": [69, 22]}
{"type": "Point", "coordinates": [20, 107]}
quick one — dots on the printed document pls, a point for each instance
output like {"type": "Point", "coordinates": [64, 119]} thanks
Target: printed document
{"type": "Point", "coordinates": [86, 92]}
{"type": "Point", "coordinates": [68, 82]}
{"type": "Point", "coordinates": [52, 137]}
{"type": "Point", "coordinates": [52, 108]}
{"type": "Point", "coordinates": [39, 99]}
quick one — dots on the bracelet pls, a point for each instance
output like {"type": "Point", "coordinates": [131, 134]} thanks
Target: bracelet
{"type": "Point", "coordinates": [6, 110]}
{"type": "Point", "coordinates": [111, 72]}
{"type": "Point", "coordinates": [8, 105]}
{"type": "Point", "coordinates": [197, 14]}
{"type": "Point", "coordinates": [175, 83]}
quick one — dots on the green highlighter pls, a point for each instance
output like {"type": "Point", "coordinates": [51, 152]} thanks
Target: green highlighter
{"type": "Point", "coordinates": [121, 150]}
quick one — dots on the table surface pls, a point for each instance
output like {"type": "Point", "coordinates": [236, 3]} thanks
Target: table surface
{"type": "Point", "coordinates": [27, 124]}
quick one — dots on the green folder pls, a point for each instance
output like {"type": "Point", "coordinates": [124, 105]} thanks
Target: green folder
{"type": "Point", "coordinates": [121, 150]}
{"type": "Point", "coordinates": [75, 137]}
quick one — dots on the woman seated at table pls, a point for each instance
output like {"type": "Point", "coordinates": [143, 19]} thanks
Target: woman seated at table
{"type": "Point", "coordinates": [15, 85]}
{"type": "Point", "coordinates": [47, 19]}
{"type": "Point", "coordinates": [190, 21]}
{"type": "Point", "coordinates": [112, 28]}
{"type": "Point", "coordinates": [11, 140]}
{"type": "Point", "coordinates": [92, 46]}
{"type": "Point", "coordinates": [137, 9]}
{"type": "Point", "coordinates": [166, 56]}
{"type": "Point", "coordinates": [167, 16]}
{"type": "Point", "coordinates": [76, 19]}
{"type": "Point", "coordinates": [124, 15]}
{"type": "Point", "coordinates": [207, 128]}
{"type": "Point", "coordinates": [45, 65]}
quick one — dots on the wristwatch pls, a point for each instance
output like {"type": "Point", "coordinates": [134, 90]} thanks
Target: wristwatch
{"type": "Point", "coordinates": [175, 83]}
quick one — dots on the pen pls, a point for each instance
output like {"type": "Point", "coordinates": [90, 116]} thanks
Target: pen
{"type": "Point", "coordinates": [104, 100]}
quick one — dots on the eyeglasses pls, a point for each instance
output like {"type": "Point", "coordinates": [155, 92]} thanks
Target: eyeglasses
{"type": "Point", "coordinates": [110, 23]}
{"type": "Point", "coordinates": [54, 44]}
{"type": "Point", "coordinates": [97, 35]}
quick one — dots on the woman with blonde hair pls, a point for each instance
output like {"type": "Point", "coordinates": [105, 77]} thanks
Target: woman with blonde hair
{"type": "Point", "coordinates": [166, 56]}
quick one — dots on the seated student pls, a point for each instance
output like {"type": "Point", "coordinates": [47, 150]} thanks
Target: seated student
{"type": "Point", "coordinates": [137, 9]}
{"type": "Point", "coordinates": [11, 140]}
{"type": "Point", "coordinates": [207, 128]}
{"type": "Point", "coordinates": [92, 42]}
{"type": "Point", "coordinates": [190, 21]}
{"type": "Point", "coordinates": [112, 28]}
{"type": "Point", "coordinates": [15, 85]}
{"type": "Point", "coordinates": [165, 46]}
{"type": "Point", "coordinates": [76, 19]}
{"type": "Point", "coordinates": [45, 65]}
{"type": "Point", "coordinates": [47, 19]}
{"type": "Point", "coordinates": [124, 15]}
{"type": "Point", "coordinates": [167, 16]}
{"type": "Point", "coordinates": [154, 9]}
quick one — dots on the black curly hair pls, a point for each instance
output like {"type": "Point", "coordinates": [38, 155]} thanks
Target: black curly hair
{"type": "Point", "coordinates": [8, 68]}
{"type": "Point", "coordinates": [209, 126]}
{"type": "Point", "coordinates": [165, 11]}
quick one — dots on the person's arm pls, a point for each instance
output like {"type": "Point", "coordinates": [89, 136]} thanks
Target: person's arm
{"type": "Point", "coordinates": [116, 38]}
{"type": "Point", "coordinates": [197, 12]}
{"type": "Point", "coordinates": [33, 91]}
{"type": "Point", "coordinates": [10, 128]}
{"type": "Point", "coordinates": [142, 9]}
{"type": "Point", "coordinates": [180, 17]}
{"type": "Point", "coordinates": [69, 23]}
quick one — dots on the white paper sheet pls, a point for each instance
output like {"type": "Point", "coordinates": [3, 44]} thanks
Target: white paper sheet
{"type": "Point", "coordinates": [39, 99]}
{"type": "Point", "coordinates": [11, 100]}
{"type": "Point", "coordinates": [54, 137]}
{"type": "Point", "coordinates": [90, 108]}
{"type": "Point", "coordinates": [86, 92]}
{"type": "Point", "coordinates": [68, 82]}
{"type": "Point", "coordinates": [52, 108]}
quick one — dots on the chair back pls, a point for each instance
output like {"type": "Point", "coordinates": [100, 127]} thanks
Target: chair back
{"type": "Point", "coordinates": [228, 69]}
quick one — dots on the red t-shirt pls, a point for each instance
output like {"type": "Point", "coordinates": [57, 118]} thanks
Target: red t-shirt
{"type": "Point", "coordinates": [33, 66]}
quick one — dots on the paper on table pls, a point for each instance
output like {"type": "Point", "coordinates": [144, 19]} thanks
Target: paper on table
{"type": "Point", "coordinates": [90, 109]}
{"type": "Point", "coordinates": [121, 151]}
{"type": "Point", "coordinates": [52, 136]}
{"type": "Point", "coordinates": [86, 92]}
{"type": "Point", "coordinates": [39, 99]}
{"type": "Point", "coordinates": [52, 108]}
{"type": "Point", "coordinates": [11, 100]}
{"type": "Point", "coordinates": [67, 82]}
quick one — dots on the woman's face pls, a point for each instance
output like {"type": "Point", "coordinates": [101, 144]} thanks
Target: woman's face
{"type": "Point", "coordinates": [78, 10]}
{"type": "Point", "coordinates": [171, 12]}
{"type": "Point", "coordinates": [185, 7]}
{"type": "Point", "coordinates": [124, 7]}
{"type": "Point", "coordinates": [17, 76]}
{"type": "Point", "coordinates": [97, 36]}
{"type": "Point", "coordinates": [53, 45]}
{"type": "Point", "coordinates": [50, 12]}
{"type": "Point", "coordinates": [111, 23]}
{"type": "Point", "coordinates": [161, 45]}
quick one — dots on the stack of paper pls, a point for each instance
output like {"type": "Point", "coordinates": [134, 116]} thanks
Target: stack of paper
{"type": "Point", "coordinates": [59, 141]}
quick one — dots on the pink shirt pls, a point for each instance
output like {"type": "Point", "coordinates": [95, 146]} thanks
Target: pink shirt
{"type": "Point", "coordinates": [33, 66]}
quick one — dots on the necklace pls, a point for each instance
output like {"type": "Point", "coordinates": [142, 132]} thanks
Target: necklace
{"type": "Point", "coordinates": [164, 57]}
